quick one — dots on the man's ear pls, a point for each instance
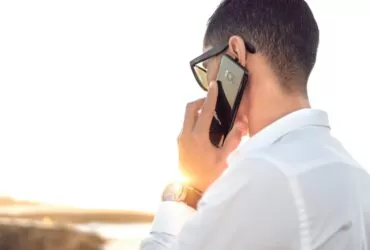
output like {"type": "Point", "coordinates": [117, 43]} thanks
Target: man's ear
{"type": "Point", "coordinates": [237, 49]}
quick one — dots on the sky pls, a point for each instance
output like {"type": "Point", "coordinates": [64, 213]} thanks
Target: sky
{"type": "Point", "coordinates": [92, 93]}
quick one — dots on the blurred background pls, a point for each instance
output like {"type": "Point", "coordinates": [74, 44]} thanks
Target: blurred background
{"type": "Point", "coordinates": [92, 95]}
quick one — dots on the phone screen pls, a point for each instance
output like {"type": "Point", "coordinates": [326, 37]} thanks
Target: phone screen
{"type": "Point", "coordinates": [231, 80]}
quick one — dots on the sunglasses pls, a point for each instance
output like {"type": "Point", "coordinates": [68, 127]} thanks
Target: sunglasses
{"type": "Point", "coordinates": [200, 72]}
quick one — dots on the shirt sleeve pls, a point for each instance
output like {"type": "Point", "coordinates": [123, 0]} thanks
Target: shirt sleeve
{"type": "Point", "coordinates": [171, 217]}
{"type": "Point", "coordinates": [238, 214]}
{"type": "Point", "coordinates": [365, 189]}
{"type": "Point", "coordinates": [168, 222]}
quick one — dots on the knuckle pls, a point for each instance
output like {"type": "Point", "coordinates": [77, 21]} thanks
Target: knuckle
{"type": "Point", "coordinates": [189, 105]}
{"type": "Point", "coordinates": [206, 110]}
{"type": "Point", "coordinates": [189, 109]}
{"type": "Point", "coordinates": [194, 104]}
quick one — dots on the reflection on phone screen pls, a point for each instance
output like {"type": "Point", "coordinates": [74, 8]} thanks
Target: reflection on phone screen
{"type": "Point", "coordinates": [224, 108]}
{"type": "Point", "coordinates": [222, 119]}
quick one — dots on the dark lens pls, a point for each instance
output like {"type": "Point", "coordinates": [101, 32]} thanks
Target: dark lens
{"type": "Point", "coordinates": [201, 74]}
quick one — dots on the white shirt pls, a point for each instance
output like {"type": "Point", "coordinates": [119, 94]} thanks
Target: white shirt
{"type": "Point", "coordinates": [292, 186]}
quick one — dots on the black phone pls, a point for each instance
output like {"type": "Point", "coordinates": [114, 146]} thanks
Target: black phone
{"type": "Point", "coordinates": [232, 79]}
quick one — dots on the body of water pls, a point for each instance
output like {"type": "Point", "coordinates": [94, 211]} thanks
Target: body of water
{"type": "Point", "coordinates": [124, 237]}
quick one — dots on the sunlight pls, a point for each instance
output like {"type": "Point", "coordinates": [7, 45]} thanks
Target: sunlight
{"type": "Point", "coordinates": [89, 117]}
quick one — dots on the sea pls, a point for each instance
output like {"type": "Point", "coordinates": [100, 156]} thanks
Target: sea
{"type": "Point", "coordinates": [122, 236]}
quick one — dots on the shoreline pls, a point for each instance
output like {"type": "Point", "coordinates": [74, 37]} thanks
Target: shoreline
{"type": "Point", "coordinates": [12, 209]}
{"type": "Point", "coordinates": [75, 215]}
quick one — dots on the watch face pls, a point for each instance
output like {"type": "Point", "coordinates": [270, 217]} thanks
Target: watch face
{"type": "Point", "coordinates": [174, 192]}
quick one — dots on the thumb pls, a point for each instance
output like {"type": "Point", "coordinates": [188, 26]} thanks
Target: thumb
{"type": "Point", "coordinates": [233, 139]}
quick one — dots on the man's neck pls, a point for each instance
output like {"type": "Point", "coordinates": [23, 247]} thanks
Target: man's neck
{"type": "Point", "coordinates": [272, 110]}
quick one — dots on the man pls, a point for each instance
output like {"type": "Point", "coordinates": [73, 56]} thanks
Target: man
{"type": "Point", "coordinates": [291, 185]}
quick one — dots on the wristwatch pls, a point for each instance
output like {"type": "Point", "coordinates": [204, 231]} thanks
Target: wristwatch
{"type": "Point", "coordinates": [181, 192]}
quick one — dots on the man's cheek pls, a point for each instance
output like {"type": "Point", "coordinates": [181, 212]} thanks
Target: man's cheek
{"type": "Point", "coordinates": [243, 106]}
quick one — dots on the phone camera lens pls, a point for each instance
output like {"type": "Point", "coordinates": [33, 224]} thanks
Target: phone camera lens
{"type": "Point", "coordinates": [228, 75]}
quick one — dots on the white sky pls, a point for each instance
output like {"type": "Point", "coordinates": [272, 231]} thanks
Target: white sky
{"type": "Point", "coordinates": [92, 93]}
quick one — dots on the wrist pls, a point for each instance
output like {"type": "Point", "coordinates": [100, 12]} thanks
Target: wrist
{"type": "Point", "coordinates": [180, 192]}
{"type": "Point", "coordinates": [200, 187]}
{"type": "Point", "coordinates": [203, 182]}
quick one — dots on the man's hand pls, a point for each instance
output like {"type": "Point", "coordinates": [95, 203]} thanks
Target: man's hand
{"type": "Point", "coordinates": [200, 161]}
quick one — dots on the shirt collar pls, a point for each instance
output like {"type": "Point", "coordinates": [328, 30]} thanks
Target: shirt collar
{"type": "Point", "coordinates": [288, 123]}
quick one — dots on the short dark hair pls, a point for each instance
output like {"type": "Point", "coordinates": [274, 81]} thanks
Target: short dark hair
{"type": "Point", "coordinates": [285, 31]}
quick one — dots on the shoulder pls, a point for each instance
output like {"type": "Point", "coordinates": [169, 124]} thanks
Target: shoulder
{"type": "Point", "coordinates": [254, 196]}
{"type": "Point", "coordinates": [252, 177]}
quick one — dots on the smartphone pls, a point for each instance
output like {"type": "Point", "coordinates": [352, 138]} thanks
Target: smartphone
{"type": "Point", "coordinates": [232, 79]}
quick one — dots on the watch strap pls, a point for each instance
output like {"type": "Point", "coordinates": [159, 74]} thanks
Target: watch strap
{"type": "Point", "coordinates": [192, 197]}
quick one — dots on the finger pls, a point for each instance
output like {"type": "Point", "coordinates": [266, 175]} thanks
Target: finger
{"type": "Point", "coordinates": [205, 118]}
{"type": "Point", "coordinates": [191, 114]}
{"type": "Point", "coordinates": [233, 139]}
